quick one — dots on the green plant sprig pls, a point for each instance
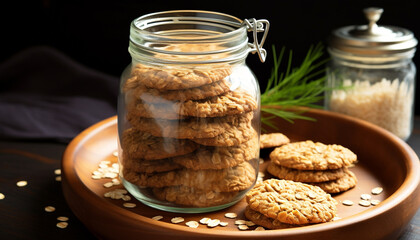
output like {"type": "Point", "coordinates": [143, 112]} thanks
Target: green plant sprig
{"type": "Point", "coordinates": [295, 87]}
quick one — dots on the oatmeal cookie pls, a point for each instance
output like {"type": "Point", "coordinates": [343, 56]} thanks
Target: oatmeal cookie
{"type": "Point", "coordinates": [149, 166]}
{"type": "Point", "coordinates": [348, 181]}
{"type": "Point", "coordinates": [138, 144]}
{"type": "Point", "coordinates": [188, 128]}
{"type": "Point", "coordinates": [152, 95]}
{"type": "Point", "coordinates": [193, 197]}
{"type": "Point", "coordinates": [270, 140]}
{"type": "Point", "coordinates": [291, 202]}
{"type": "Point", "coordinates": [169, 78]}
{"type": "Point", "coordinates": [219, 157]}
{"type": "Point", "coordinates": [307, 176]}
{"type": "Point", "coordinates": [309, 155]}
{"type": "Point", "coordinates": [230, 103]}
{"type": "Point", "coordinates": [233, 179]}
{"type": "Point", "coordinates": [232, 136]}
{"type": "Point", "coordinates": [264, 221]}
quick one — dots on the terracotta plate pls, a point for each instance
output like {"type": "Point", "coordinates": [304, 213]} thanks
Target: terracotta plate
{"type": "Point", "coordinates": [384, 161]}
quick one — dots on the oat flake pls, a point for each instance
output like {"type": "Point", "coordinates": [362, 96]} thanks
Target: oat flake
{"type": "Point", "coordinates": [243, 227]}
{"type": "Point", "coordinates": [364, 203]}
{"type": "Point", "coordinates": [213, 223]}
{"type": "Point", "coordinates": [375, 202]}
{"type": "Point", "coordinates": [2, 196]}
{"type": "Point", "coordinates": [231, 215]}
{"type": "Point", "coordinates": [365, 196]}
{"type": "Point", "coordinates": [347, 202]}
{"type": "Point", "coordinates": [63, 219]}
{"type": "Point", "coordinates": [49, 209]}
{"type": "Point", "coordinates": [129, 205]}
{"type": "Point", "coordinates": [62, 224]}
{"type": "Point", "coordinates": [204, 220]}
{"type": "Point", "coordinates": [21, 183]}
{"type": "Point", "coordinates": [377, 190]}
{"type": "Point", "coordinates": [192, 224]}
{"type": "Point", "coordinates": [157, 218]}
{"type": "Point", "coordinates": [177, 220]}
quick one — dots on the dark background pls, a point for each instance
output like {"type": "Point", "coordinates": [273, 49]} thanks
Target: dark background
{"type": "Point", "coordinates": [95, 33]}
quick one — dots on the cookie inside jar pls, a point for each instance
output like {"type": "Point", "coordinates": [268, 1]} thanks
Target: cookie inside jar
{"type": "Point", "coordinates": [189, 147]}
{"type": "Point", "coordinates": [189, 112]}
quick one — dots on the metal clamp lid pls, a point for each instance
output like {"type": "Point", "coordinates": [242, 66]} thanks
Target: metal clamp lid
{"type": "Point", "coordinates": [256, 26]}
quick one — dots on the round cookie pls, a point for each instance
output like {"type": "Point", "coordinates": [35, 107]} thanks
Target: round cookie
{"type": "Point", "coordinates": [219, 157]}
{"type": "Point", "coordinates": [149, 166]}
{"type": "Point", "coordinates": [230, 103]}
{"type": "Point", "coordinates": [193, 197]}
{"type": "Point", "coordinates": [168, 78]}
{"type": "Point", "coordinates": [348, 181]}
{"type": "Point", "coordinates": [264, 221]}
{"type": "Point", "coordinates": [233, 179]}
{"type": "Point", "coordinates": [307, 176]}
{"type": "Point", "coordinates": [138, 144]}
{"type": "Point", "coordinates": [232, 136]}
{"type": "Point", "coordinates": [308, 155]}
{"type": "Point", "coordinates": [188, 128]}
{"type": "Point", "coordinates": [138, 91]}
{"type": "Point", "coordinates": [291, 202]}
{"type": "Point", "coordinates": [270, 140]}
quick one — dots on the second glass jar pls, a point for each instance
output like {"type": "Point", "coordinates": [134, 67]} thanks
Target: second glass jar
{"type": "Point", "coordinates": [189, 112]}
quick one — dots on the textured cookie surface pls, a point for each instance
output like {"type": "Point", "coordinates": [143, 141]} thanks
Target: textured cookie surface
{"type": "Point", "coordinates": [291, 202]}
{"type": "Point", "coordinates": [219, 157]}
{"type": "Point", "coordinates": [193, 197]}
{"type": "Point", "coordinates": [348, 181]}
{"type": "Point", "coordinates": [138, 144]}
{"type": "Point", "coordinates": [188, 128]}
{"type": "Point", "coordinates": [177, 78]}
{"type": "Point", "coordinates": [237, 178]}
{"type": "Point", "coordinates": [269, 140]}
{"type": "Point", "coordinates": [309, 155]}
{"type": "Point", "coordinates": [233, 102]}
{"type": "Point", "coordinates": [264, 221]}
{"type": "Point", "coordinates": [149, 166]}
{"type": "Point", "coordinates": [138, 91]}
{"type": "Point", "coordinates": [234, 135]}
{"type": "Point", "coordinates": [307, 176]}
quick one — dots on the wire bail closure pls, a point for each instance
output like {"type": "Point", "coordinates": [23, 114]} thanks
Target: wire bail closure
{"type": "Point", "coordinates": [256, 26]}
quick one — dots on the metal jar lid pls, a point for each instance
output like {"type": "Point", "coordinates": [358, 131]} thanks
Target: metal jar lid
{"type": "Point", "coordinates": [371, 39]}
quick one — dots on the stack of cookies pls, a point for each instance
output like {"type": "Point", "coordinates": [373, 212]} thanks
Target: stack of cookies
{"type": "Point", "coordinates": [188, 137]}
{"type": "Point", "coordinates": [315, 163]}
{"type": "Point", "coordinates": [276, 204]}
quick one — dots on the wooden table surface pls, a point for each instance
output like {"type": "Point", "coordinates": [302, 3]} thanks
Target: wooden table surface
{"type": "Point", "coordinates": [22, 214]}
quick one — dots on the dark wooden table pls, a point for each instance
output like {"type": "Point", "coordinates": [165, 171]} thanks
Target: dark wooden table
{"type": "Point", "coordinates": [22, 214]}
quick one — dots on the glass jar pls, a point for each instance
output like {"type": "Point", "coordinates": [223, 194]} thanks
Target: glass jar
{"type": "Point", "coordinates": [371, 75]}
{"type": "Point", "coordinates": [189, 110]}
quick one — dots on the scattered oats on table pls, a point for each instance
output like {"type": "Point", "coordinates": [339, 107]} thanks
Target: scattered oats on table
{"type": "Point", "coordinates": [21, 183]}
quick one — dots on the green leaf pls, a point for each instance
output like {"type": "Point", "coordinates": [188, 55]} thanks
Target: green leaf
{"type": "Point", "coordinates": [301, 86]}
